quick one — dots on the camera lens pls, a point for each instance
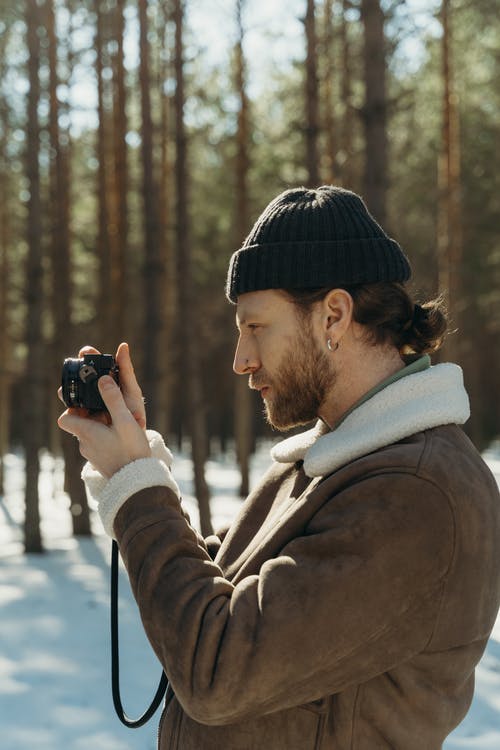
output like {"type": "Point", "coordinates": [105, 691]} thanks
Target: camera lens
{"type": "Point", "coordinates": [70, 382]}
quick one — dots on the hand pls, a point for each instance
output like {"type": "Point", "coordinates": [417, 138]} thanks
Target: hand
{"type": "Point", "coordinates": [108, 447]}
{"type": "Point", "coordinates": [129, 386]}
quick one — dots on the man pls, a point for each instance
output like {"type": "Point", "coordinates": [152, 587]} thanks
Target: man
{"type": "Point", "coordinates": [351, 599]}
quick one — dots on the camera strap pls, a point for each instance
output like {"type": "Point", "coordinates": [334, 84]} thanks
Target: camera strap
{"type": "Point", "coordinates": [115, 662]}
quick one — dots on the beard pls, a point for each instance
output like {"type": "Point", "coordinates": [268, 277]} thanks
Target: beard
{"type": "Point", "coordinates": [299, 386]}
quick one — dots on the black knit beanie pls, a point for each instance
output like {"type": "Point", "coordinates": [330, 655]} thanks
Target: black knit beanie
{"type": "Point", "coordinates": [313, 238]}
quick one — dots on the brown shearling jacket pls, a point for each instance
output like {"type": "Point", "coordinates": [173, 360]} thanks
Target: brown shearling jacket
{"type": "Point", "coordinates": [345, 611]}
{"type": "Point", "coordinates": [349, 603]}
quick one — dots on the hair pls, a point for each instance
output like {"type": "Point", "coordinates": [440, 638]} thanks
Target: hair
{"type": "Point", "coordinates": [390, 315]}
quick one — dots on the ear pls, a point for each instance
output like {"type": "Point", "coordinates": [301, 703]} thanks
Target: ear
{"type": "Point", "coordinates": [337, 313]}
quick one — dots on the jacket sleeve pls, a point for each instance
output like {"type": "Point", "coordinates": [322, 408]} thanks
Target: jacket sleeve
{"type": "Point", "coordinates": [355, 594]}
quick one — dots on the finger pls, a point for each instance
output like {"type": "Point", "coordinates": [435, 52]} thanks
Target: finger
{"type": "Point", "coordinates": [113, 398]}
{"type": "Point", "coordinates": [88, 350]}
{"type": "Point", "coordinates": [128, 381]}
{"type": "Point", "coordinates": [130, 387]}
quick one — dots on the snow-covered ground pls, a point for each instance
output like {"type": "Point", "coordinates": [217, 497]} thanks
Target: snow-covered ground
{"type": "Point", "coordinates": [54, 629]}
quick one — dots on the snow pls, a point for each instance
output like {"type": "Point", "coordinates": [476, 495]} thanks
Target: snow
{"type": "Point", "coordinates": [54, 627]}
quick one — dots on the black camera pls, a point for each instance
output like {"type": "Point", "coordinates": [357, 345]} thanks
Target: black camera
{"type": "Point", "coordinates": [79, 380]}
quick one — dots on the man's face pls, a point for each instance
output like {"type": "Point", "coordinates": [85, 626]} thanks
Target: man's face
{"type": "Point", "coordinates": [277, 348]}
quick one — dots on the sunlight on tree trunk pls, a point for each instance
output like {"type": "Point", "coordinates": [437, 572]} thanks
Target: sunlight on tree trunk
{"type": "Point", "coordinates": [189, 363]}
{"type": "Point", "coordinates": [153, 270]}
{"type": "Point", "coordinates": [347, 120]}
{"type": "Point", "coordinates": [242, 406]}
{"type": "Point", "coordinates": [311, 96]}
{"type": "Point", "coordinates": [168, 352]}
{"type": "Point", "coordinates": [328, 99]}
{"type": "Point", "coordinates": [34, 407]}
{"type": "Point", "coordinates": [119, 181]}
{"type": "Point", "coordinates": [374, 111]}
{"type": "Point", "coordinates": [5, 344]}
{"type": "Point", "coordinates": [449, 232]}
{"type": "Point", "coordinates": [62, 288]}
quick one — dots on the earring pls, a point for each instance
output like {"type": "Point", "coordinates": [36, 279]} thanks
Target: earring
{"type": "Point", "coordinates": [332, 348]}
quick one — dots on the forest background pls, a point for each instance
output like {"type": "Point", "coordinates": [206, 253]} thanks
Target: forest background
{"type": "Point", "coordinates": [140, 140]}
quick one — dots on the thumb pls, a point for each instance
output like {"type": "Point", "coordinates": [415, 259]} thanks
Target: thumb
{"type": "Point", "coordinates": [112, 397]}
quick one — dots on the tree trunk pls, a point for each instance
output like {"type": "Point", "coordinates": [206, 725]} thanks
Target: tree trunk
{"type": "Point", "coordinates": [375, 109]}
{"type": "Point", "coordinates": [34, 407]}
{"type": "Point", "coordinates": [153, 266]}
{"type": "Point", "coordinates": [449, 229]}
{"type": "Point", "coordinates": [5, 240]}
{"type": "Point", "coordinates": [61, 273]}
{"type": "Point", "coordinates": [311, 98]}
{"type": "Point", "coordinates": [119, 201]}
{"type": "Point", "coordinates": [168, 350]}
{"type": "Point", "coordinates": [5, 345]}
{"type": "Point", "coordinates": [346, 172]}
{"type": "Point", "coordinates": [329, 120]}
{"type": "Point", "coordinates": [194, 402]}
{"type": "Point", "coordinates": [103, 244]}
{"type": "Point", "coordinates": [243, 422]}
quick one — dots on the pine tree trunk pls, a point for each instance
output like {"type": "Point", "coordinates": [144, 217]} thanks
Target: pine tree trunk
{"type": "Point", "coordinates": [62, 294]}
{"type": "Point", "coordinates": [375, 109]}
{"type": "Point", "coordinates": [312, 102]}
{"type": "Point", "coordinates": [34, 411]}
{"type": "Point", "coordinates": [194, 401]}
{"type": "Point", "coordinates": [153, 266]}
{"type": "Point", "coordinates": [5, 229]}
{"type": "Point", "coordinates": [449, 239]}
{"type": "Point", "coordinates": [329, 121]}
{"type": "Point", "coordinates": [168, 351]}
{"type": "Point", "coordinates": [346, 172]}
{"type": "Point", "coordinates": [242, 405]}
{"type": "Point", "coordinates": [103, 245]}
{"type": "Point", "coordinates": [5, 345]}
{"type": "Point", "coordinates": [119, 202]}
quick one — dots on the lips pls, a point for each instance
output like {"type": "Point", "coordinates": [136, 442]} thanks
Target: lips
{"type": "Point", "coordinates": [263, 389]}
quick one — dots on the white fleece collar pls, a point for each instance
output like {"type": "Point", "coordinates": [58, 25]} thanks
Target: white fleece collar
{"type": "Point", "coordinates": [414, 403]}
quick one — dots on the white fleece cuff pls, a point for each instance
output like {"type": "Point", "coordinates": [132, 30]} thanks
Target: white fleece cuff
{"type": "Point", "coordinates": [94, 480]}
{"type": "Point", "coordinates": [158, 447]}
{"type": "Point", "coordinates": [135, 476]}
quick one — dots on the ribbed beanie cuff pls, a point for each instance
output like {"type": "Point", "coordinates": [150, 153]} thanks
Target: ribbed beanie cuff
{"type": "Point", "coordinates": [313, 238]}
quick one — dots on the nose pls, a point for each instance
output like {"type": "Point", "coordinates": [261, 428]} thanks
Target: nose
{"type": "Point", "coordinates": [246, 359]}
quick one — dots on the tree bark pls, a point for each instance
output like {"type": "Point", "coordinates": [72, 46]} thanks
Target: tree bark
{"type": "Point", "coordinates": [375, 109]}
{"type": "Point", "coordinates": [103, 244]}
{"type": "Point", "coordinates": [346, 172]}
{"type": "Point", "coordinates": [242, 405]}
{"type": "Point", "coordinates": [62, 293]}
{"type": "Point", "coordinates": [168, 350]}
{"type": "Point", "coordinates": [5, 239]}
{"type": "Point", "coordinates": [153, 266]}
{"type": "Point", "coordinates": [449, 227]}
{"type": "Point", "coordinates": [5, 344]}
{"type": "Point", "coordinates": [311, 96]}
{"type": "Point", "coordinates": [194, 401]}
{"type": "Point", "coordinates": [119, 200]}
{"type": "Point", "coordinates": [34, 411]}
{"type": "Point", "coordinates": [329, 120]}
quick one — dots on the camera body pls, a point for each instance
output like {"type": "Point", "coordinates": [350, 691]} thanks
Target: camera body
{"type": "Point", "coordinates": [79, 380]}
